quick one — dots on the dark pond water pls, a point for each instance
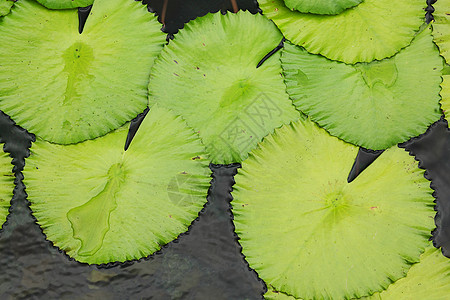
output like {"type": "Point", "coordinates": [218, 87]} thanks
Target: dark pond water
{"type": "Point", "coordinates": [206, 262]}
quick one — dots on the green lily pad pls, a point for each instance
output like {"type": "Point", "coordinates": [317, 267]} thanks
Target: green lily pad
{"type": "Point", "coordinates": [65, 4]}
{"type": "Point", "coordinates": [80, 85]}
{"type": "Point", "coordinates": [374, 105]}
{"type": "Point", "coordinates": [441, 27]}
{"type": "Point", "coordinates": [310, 234]}
{"type": "Point", "coordinates": [322, 7]}
{"type": "Point", "coordinates": [100, 204]}
{"type": "Point", "coordinates": [6, 185]}
{"type": "Point", "coordinates": [233, 104]}
{"type": "Point", "coordinates": [5, 7]}
{"type": "Point", "coordinates": [375, 29]}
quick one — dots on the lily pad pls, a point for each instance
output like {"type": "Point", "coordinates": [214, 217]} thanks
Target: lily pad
{"type": "Point", "coordinates": [441, 27]}
{"type": "Point", "coordinates": [374, 105]}
{"type": "Point", "coordinates": [5, 7]}
{"type": "Point", "coordinates": [233, 104]}
{"type": "Point", "coordinates": [310, 234]}
{"type": "Point", "coordinates": [80, 85]}
{"type": "Point", "coordinates": [100, 204]}
{"type": "Point", "coordinates": [6, 185]}
{"type": "Point", "coordinates": [65, 4]}
{"type": "Point", "coordinates": [323, 7]}
{"type": "Point", "coordinates": [375, 29]}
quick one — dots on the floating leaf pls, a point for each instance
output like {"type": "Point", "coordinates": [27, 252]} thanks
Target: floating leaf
{"type": "Point", "coordinates": [6, 185]}
{"type": "Point", "coordinates": [80, 85]}
{"type": "Point", "coordinates": [441, 27]}
{"type": "Point", "coordinates": [374, 105]}
{"type": "Point", "coordinates": [323, 7]}
{"type": "Point", "coordinates": [310, 234]}
{"type": "Point", "coordinates": [65, 4]}
{"type": "Point", "coordinates": [5, 7]}
{"type": "Point", "coordinates": [375, 29]}
{"type": "Point", "coordinates": [233, 104]}
{"type": "Point", "coordinates": [100, 204]}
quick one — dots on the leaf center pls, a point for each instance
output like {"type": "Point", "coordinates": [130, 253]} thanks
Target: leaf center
{"type": "Point", "coordinates": [234, 95]}
{"type": "Point", "coordinates": [338, 206]}
{"type": "Point", "coordinates": [335, 200]}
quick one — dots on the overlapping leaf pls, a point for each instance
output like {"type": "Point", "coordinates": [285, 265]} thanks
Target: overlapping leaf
{"type": "Point", "coordinates": [65, 4]}
{"type": "Point", "coordinates": [208, 75]}
{"type": "Point", "coordinates": [5, 7]}
{"type": "Point", "coordinates": [80, 85]}
{"type": "Point", "coordinates": [310, 234]}
{"type": "Point", "coordinates": [374, 105]}
{"type": "Point", "coordinates": [441, 27]}
{"type": "Point", "coordinates": [445, 94]}
{"type": "Point", "coordinates": [428, 279]}
{"type": "Point", "coordinates": [375, 29]}
{"type": "Point", "coordinates": [100, 204]}
{"type": "Point", "coordinates": [324, 7]}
